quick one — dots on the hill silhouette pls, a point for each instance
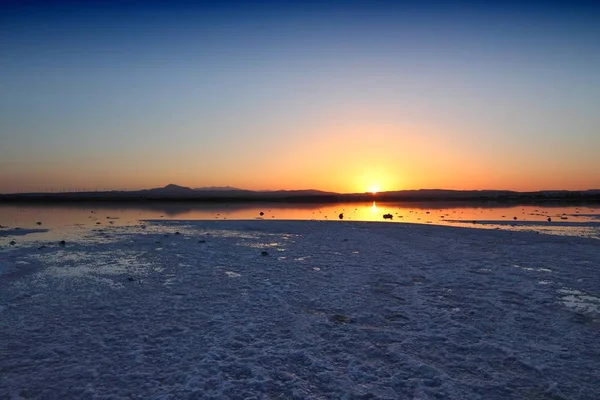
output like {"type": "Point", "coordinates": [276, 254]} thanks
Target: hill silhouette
{"type": "Point", "coordinates": [173, 192]}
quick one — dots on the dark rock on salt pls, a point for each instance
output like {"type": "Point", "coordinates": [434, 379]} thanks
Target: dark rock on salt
{"type": "Point", "coordinates": [39, 223]}
{"type": "Point", "coordinates": [341, 319]}
{"type": "Point", "coordinates": [201, 241]}
{"type": "Point", "coordinates": [264, 253]}
{"type": "Point", "coordinates": [177, 233]}
{"type": "Point", "coordinates": [130, 279]}
{"type": "Point", "coordinates": [62, 243]}
{"type": "Point", "coordinates": [549, 219]}
{"type": "Point", "coordinates": [388, 216]}
{"type": "Point", "coordinates": [261, 213]}
{"type": "Point", "coordinates": [341, 216]}
{"type": "Point", "coordinates": [515, 218]}
{"type": "Point", "coordinates": [12, 243]}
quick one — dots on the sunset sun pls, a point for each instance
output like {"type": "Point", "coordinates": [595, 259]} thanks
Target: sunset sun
{"type": "Point", "coordinates": [374, 188]}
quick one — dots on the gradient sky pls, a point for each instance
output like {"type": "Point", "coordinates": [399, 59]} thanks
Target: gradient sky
{"type": "Point", "coordinates": [343, 96]}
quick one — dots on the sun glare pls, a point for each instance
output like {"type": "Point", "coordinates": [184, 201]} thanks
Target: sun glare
{"type": "Point", "coordinates": [374, 189]}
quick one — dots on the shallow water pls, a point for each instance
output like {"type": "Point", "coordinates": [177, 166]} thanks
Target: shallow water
{"type": "Point", "coordinates": [65, 222]}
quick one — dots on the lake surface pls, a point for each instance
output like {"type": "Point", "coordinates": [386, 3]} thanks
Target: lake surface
{"type": "Point", "coordinates": [68, 221]}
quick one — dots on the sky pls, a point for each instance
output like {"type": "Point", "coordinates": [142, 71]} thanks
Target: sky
{"type": "Point", "coordinates": [345, 96]}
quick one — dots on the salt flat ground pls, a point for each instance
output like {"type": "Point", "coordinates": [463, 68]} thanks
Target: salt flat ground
{"type": "Point", "coordinates": [181, 310]}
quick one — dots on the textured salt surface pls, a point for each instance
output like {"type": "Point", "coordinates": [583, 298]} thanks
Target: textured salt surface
{"type": "Point", "coordinates": [334, 310]}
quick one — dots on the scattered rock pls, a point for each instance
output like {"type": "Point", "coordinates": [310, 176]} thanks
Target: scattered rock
{"type": "Point", "coordinates": [130, 279]}
{"type": "Point", "coordinates": [201, 241]}
{"type": "Point", "coordinates": [515, 218]}
{"type": "Point", "coordinates": [341, 216]}
{"type": "Point", "coordinates": [264, 253]}
{"type": "Point", "coordinates": [62, 243]}
{"type": "Point", "coordinates": [388, 216]}
{"type": "Point", "coordinates": [341, 319]}
{"type": "Point", "coordinates": [98, 223]}
{"type": "Point", "coordinates": [42, 247]}
{"type": "Point", "coordinates": [12, 243]}
{"type": "Point", "coordinates": [39, 223]}
{"type": "Point", "coordinates": [549, 219]}
{"type": "Point", "coordinates": [177, 233]}
{"type": "Point", "coordinates": [261, 213]}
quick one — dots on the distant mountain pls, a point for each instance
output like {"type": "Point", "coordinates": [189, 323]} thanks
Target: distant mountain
{"type": "Point", "coordinates": [307, 192]}
{"type": "Point", "coordinates": [445, 193]}
{"type": "Point", "coordinates": [174, 192]}
{"type": "Point", "coordinates": [169, 189]}
{"type": "Point", "coordinates": [216, 188]}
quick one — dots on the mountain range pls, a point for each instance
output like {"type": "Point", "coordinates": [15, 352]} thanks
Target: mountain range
{"type": "Point", "coordinates": [173, 192]}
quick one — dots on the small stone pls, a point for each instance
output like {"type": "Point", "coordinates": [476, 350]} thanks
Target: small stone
{"type": "Point", "coordinates": [388, 216]}
{"type": "Point", "coordinates": [42, 247]}
{"type": "Point", "coordinates": [341, 319]}
{"type": "Point", "coordinates": [130, 279]}
{"type": "Point", "coordinates": [549, 219]}
{"type": "Point", "coordinates": [341, 216]}
{"type": "Point", "coordinates": [12, 243]}
{"type": "Point", "coordinates": [39, 223]}
{"type": "Point", "coordinates": [515, 218]}
{"type": "Point", "coordinates": [177, 233]}
{"type": "Point", "coordinates": [62, 243]}
{"type": "Point", "coordinates": [201, 241]}
{"type": "Point", "coordinates": [261, 213]}
{"type": "Point", "coordinates": [264, 253]}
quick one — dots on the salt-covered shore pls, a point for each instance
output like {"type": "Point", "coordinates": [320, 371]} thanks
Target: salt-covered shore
{"type": "Point", "coordinates": [333, 310]}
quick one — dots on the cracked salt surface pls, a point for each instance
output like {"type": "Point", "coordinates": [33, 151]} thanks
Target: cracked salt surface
{"type": "Point", "coordinates": [420, 312]}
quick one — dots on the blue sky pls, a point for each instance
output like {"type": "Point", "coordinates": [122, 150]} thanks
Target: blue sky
{"type": "Point", "coordinates": [328, 95]}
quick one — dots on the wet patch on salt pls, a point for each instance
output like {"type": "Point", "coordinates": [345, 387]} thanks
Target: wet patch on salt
{"type": "Point", "coordinates": [580, 302]}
